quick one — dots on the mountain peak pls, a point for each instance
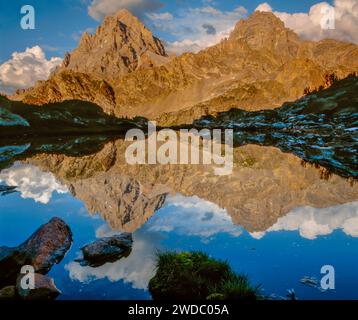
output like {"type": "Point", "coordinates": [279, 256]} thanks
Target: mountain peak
{"type": "Point", "coordinates": [259, 22]}
{"type": "Point", "coordinates": [126, 17]}
{"type": "Point", "coordinates": [125, 14]}
{"type": "Point", "coordinates": [115, 48]}
{"type": "Point", "coordinates": [264, 17]}
{"type": "Point", "coordinates": [264, 30]}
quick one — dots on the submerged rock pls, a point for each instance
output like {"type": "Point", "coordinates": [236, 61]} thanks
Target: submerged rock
{"type": "Point", "coordinates": [10, 119]}
{"type": "Point", "coordinates": [8, 293]}
{"type": "Point", "coordinates": [106, 250]}
{"type": "Point", "coordinates": [69, 117]}
{"type": "Point", "coordinates": [309, 281]}
{"type": "Point", "coordinates": [45, 289]}
{"type": "Point", "coordinates": [5, 190]}
{"type": "Point", "coordinates": [46, 247]}
{"type": "Point", "coordinates": [291, 295]}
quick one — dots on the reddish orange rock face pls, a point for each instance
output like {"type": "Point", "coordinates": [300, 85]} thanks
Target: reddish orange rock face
{"type": "Point", "coordinates": [46, 247]}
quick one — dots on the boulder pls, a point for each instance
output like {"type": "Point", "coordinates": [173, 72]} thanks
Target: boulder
{"type": "Point", "coordinates": [45, 289]}
{"type": "Point", "coordinates": [5, 190]}
{"type": "Point", "coordinates": [106, 250]}
{"type": "Point", "coordinates": [46, 247]}
{"type": "Point", "coordinates": [8, 293]}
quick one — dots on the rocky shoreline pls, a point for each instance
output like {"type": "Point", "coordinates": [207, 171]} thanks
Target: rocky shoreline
{"type": "Point", "coordinates": [45, 248]}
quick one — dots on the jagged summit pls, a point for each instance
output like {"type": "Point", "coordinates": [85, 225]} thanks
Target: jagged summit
{"type": "Point", "coordinates": [115, 49]}
{"type": "Point", "coordinates": [126, 17]}
{"type": "Point", "coordinates": [258, 22]}
{"type": "Point", "coordinates": [265, 30]}
{"type": "Point", "coordinates": [264, 18]}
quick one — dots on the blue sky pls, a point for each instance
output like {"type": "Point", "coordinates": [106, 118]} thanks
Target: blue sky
{"type": "Point", "coordinates": [59, 23]}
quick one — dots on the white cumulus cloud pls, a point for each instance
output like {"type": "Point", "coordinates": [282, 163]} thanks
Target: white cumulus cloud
{"type": "Point", "coordinates": [312, 223]}
{"type": "Point", "coordinates": [25, 68]}
{"type": "Point", "coordinates": [195, 217]}
{"type": "Point", "coordinates": [31, 182]}
{"type": "Point", "coordinates": [312, 25]}
{"type": "Point", "coordinates": [165, 16]}
{"type": "Point", "coordinates": [264, 7]}
{"type": "Point", "coordinates": [197, 28]}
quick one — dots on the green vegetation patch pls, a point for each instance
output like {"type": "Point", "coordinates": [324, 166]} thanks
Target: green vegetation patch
{"type": "Point", "coordinates": [195, 276]}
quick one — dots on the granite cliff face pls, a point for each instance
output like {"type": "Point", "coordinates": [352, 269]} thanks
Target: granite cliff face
{"type": "Point", "coordinates": [260, 66]}
{"type": "Point", "coordinates": [121, 45]}
{"type": "Point", "coordinates": [265, 185]}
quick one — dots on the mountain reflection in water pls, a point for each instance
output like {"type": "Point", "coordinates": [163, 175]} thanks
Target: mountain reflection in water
{"type": "Point", "coordinates": [265, 185]}
{"type": "Point", "coordinates": [321, 128]}
{"type": "Point", "coordinates": [249, 217]}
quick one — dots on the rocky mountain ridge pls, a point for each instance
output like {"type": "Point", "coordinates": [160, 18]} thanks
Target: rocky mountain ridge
{"type": "Point", "coordinates": [260, 66]}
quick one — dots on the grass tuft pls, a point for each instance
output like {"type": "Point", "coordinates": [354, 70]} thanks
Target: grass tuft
{"type": "Point", "coordinates": [195, 276]}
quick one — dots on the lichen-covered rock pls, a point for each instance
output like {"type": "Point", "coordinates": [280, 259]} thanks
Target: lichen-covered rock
{"type": "Point", "coordinates": [8, 293]}
{"type": "Point", "coordinates": [64, 117]}
{"type": "Point", "coordinates": [107, 250]}
{"type": "Point", "coordinates": [5, 190]}
{"type": "Point", "coordinates": [9, 119]}
{"type": "Point", "coordinates": [46, 247]}
{"type": "Point", "coordinates": [45, 289]}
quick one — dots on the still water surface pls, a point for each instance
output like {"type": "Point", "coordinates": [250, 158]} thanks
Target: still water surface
{"type": "Point", "coordinates": [274, 218]}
